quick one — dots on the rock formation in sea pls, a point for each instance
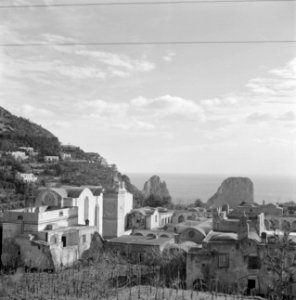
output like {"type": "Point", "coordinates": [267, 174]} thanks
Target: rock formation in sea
{"type": "Point", "coordinates": [156, 192]}
{"type": "Point", "coordinates": [233, 191]}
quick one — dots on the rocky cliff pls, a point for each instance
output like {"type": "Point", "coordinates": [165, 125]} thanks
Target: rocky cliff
{"type": "Point", "coordinates": [233, 191]}
{"type": "Point", "coordinates": [155, 192]}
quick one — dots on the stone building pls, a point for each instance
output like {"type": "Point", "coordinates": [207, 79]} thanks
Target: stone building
{"type": "Point", "coordinates": [224, 261]}
{"type": "Point", "coordinates": [44, 237]}
{"type": "Point", "coordinates": [232, 257]}
{"type": "Point", "coordinates": [192, 214]}
{"type": "Point", "coordinates": [117, 204]}
{"type": "Point", "coordinates": [148, 218]}
{"type": "Point", "coordinates": [138, 248]}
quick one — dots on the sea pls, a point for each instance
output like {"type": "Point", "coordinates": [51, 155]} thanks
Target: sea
{"type": "Point", "coordinates": [186, 188]}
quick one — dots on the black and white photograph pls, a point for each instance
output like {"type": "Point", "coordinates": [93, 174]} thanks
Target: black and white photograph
{"type": "Point", "coordinates": [148, 149]}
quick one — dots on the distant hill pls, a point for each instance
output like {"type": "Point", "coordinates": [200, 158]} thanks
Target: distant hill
{"type": "Point", "coordinates": [17, 131]}
{"type": "Point", "coordinates": [84, 168]}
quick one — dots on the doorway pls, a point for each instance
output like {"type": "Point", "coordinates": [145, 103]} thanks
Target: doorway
{"type": "Point", "coordinates": [64, 241]}
{"type": "Point", "coordinates": [251, 285]}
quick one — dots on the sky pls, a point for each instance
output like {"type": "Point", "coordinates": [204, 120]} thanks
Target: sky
{"type": "Point", "coordinates": [204, 108]}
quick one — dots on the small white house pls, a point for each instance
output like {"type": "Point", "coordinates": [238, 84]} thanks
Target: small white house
{"type": "Point", "coordinates": [51, 159]}
{"type": "Point", "coordinates": [19, 155]}
{"type": "Point", "coordinates": [26, 177]}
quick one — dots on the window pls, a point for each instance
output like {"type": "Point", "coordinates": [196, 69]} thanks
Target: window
{"type": "Point", "coordinates": [84, 238]}
{"type": "Point", "coordinates": [20, 217]}
{"type": "Point", "coordinates": [140, 257]}
{"type": "Point", "coordinates": [253, 262]}
{"type": "Point", "coordinates": [61, 213]}
{"type": "Point", "coordinates": [223, 261]}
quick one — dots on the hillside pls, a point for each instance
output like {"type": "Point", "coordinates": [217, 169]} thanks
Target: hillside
{"type": "Point", "coordinates": [17, 131]}
{"type": "Point", "coordinates": [76, 168]}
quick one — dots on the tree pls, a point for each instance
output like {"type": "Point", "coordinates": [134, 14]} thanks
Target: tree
{"type": "Point", "coordinates": [278, 257]}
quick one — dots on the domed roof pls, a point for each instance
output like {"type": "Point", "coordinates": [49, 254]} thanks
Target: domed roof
{"type": "Point", "coordinates": [215, 236]}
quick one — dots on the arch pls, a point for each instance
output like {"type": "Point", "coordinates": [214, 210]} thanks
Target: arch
{"type": "Point", "coordinates": [86, 208]}
{"type": "Point", "coordinates": [164, 236]}
{"type": "Point", "coordinates": [151, 235]}
{"type": "Point", "coordinates": [181, 219]}
{"type": "Point", "coordinates": [138, 234]}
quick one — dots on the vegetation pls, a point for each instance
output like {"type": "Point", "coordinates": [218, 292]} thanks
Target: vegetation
{"type": "Point", "coordinates": [278, 260]}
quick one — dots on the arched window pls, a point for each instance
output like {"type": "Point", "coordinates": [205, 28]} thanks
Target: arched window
{"type": "Point", "coordinates": [86, 208]}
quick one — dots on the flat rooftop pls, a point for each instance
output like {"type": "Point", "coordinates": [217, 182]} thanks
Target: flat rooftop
{"type": "Point", "coordinates": [139, 240]}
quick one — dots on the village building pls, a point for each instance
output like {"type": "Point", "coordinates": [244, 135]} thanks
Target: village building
{"type": "Point", "coordinates": [160, 233]}
{"type": "Point", "coordinates": [47, 237]}
{"type": "Point", "coordinates": [88, 200]}
{"type": "Point", "coordinates": [19, 155]}
{"type": "Point", "coordinates": [232, 255]}
{"type": "Point", "coordinates": [149, 218]}
{"type": "Point", "coordinates": [192, 214]}
{"type": "Point", "coordinates": [191, 231]}
{"type": "Point", "coordinates": [139, 249]}
{"type": "Point", "coordinates": [117, 203]}
{"type": "Point", "coordinates": [275, 216]}
{"type": "Point", "coordinates": [66, 156]}
{"type": "Point", "coordinates": [26, 177]}
{"type": "Point", "coordinates": [29, 150]}
{"type": "Point", "coordinates": [51, 158]}
{"type": "Point", "coordinates": [222, 262]}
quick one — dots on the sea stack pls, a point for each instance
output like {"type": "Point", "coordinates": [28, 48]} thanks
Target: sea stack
{"type": "Point", "coordinates": [156, 192]}
{"type": "Point", "coordinates": [233, 191]}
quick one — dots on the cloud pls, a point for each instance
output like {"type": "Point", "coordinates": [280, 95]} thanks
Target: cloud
{"type": "Point", "coordinates": [259, 117]}
{"type": "Point", "coordinates": [263, 117]}
{"type": "Point", "coordinates": [31, 112]}
{"type": "Point", "coordinates": [288, 116]}
{"type": "Point", "coordinates": [135, 124]}
{"type": "Point", "coordinates": [226, 100]}
{"type": "Point", "coordinates": [281, 84]}
{"type": "Point", "coordinates": [76, 72]}
{"type": "Point", "coordinates": [119, 61]}
{"type": "Point", "coordinates": [288, 72]}
{"type": "Point", "coordinates": [168, 105]}
{"type": "Point", "coordinates": [168, 57]}
{"type": "Point", "coordinates": [101, 108]}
